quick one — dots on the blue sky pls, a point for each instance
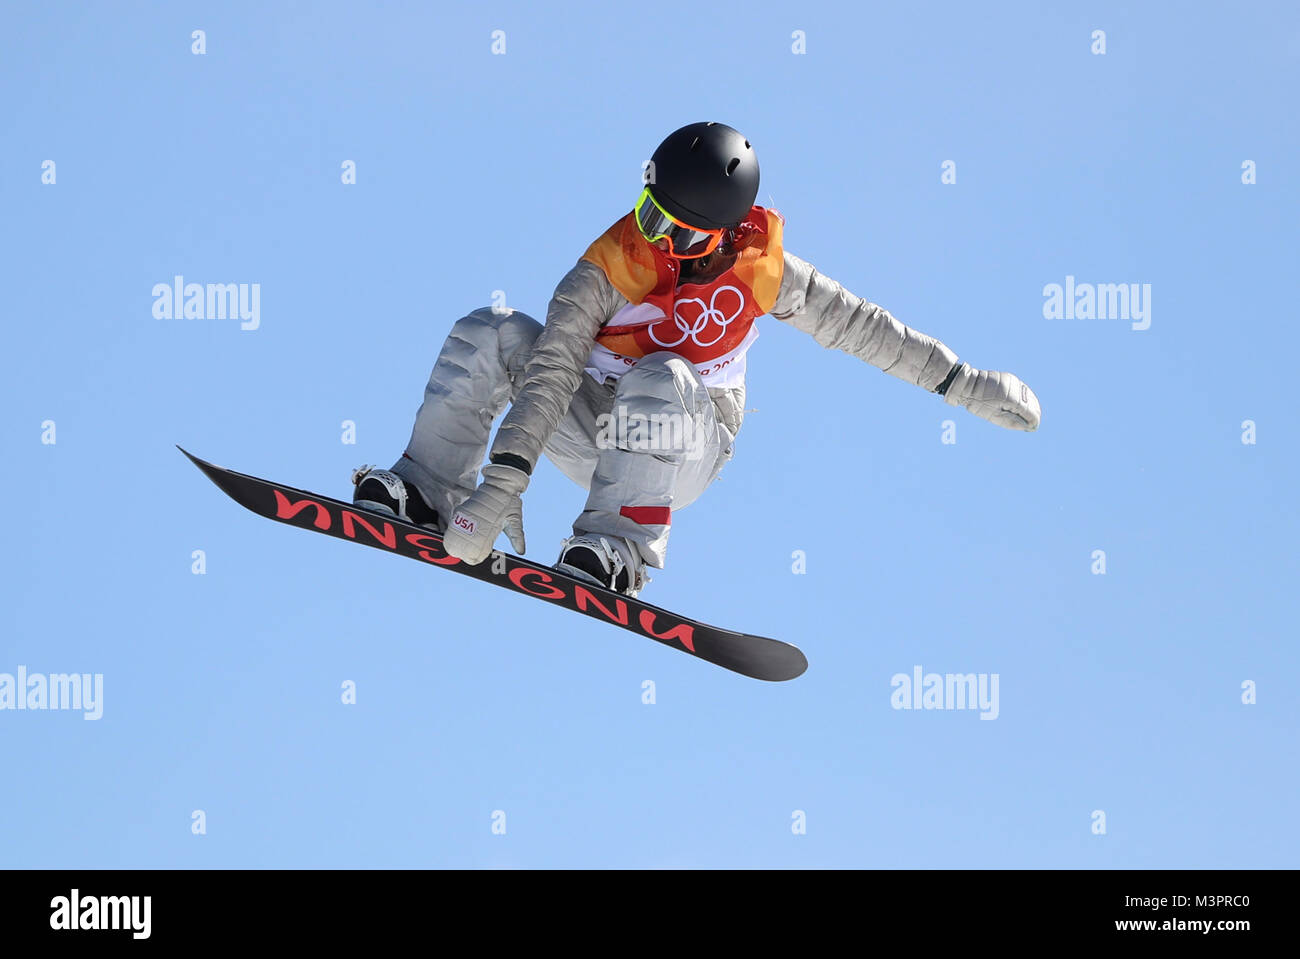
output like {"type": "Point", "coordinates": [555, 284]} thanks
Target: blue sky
{"type": "Point", "coordinates": [478, 172]}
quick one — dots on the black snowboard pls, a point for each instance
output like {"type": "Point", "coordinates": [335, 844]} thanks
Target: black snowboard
{"type": "Point", "coordinates": [754, 656]}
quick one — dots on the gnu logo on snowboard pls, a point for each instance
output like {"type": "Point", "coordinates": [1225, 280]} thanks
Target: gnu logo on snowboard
{"type": "Point", "coordinates": [756, 656]}
{"type": "Point", "coordinates": [702, 325]}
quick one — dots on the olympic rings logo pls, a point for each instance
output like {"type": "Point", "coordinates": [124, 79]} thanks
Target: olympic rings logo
{"type": "Point", "coordinates": [712, 313]}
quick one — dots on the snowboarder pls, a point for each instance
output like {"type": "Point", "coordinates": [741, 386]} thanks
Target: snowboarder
{"type": "Point", "coordinates": [635, 386]}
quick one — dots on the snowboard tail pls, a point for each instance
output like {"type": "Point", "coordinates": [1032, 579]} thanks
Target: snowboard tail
{"type": "Point", "coordinates": [754, 656]}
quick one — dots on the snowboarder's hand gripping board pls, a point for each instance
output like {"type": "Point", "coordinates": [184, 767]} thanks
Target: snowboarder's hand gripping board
{"type": "Point", "coordinates": [1000, 398]}
{"type": "Point", "coordinates": [494, 506]}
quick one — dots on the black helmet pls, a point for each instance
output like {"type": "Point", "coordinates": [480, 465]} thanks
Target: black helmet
{"type": "Point", "coordinates": [704, 174]}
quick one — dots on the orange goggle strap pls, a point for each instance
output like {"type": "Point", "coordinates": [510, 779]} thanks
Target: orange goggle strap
{"type": "Point", "coordinates": [685, 241]}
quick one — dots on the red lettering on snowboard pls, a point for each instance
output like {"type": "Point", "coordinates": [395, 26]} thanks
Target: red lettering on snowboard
{"type": "Point", "coordinates": [683, 632]}
{"type": "Point", "coordinates": [286, 510]}
{"type": "Point", "coordinates": [582, 596]}
{"type": "Point", "coordinates": [517, 577]}
{"type": "Point", "coordinates": [442, 559]}
{"type": "Point", "coordinates": [350, 519]}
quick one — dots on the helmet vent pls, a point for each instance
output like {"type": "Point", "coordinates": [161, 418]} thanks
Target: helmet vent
{"type": "Point", "coordinates": [731, 167]}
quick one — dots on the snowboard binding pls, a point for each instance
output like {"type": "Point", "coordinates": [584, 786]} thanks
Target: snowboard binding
{"type": "Point", "coordinates": [383, 491]}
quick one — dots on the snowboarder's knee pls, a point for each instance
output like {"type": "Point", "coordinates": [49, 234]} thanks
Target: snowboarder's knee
{"type": "Point", "coordinates": [490, 318]}
{"type": "Point", "coordinates": [663, 366]}
{"type": "Point", "coordinates": [659, 376]}
{"type": "Point", "coordinates": [501, 332]}
{"type": "Point", "coordinates": [662, 362]}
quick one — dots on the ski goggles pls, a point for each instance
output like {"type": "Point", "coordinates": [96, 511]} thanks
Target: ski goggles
{"type": "Point", "coordinates": [684, 242]}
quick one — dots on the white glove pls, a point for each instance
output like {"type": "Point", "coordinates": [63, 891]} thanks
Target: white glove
{"type": "Point", "coordinates": [494, 506]}
{"type": "Point", "coordinates": [1000, 398]}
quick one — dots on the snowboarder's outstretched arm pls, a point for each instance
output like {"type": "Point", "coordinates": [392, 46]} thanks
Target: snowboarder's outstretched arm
{"type": "Point", "coordinates": [838, 320]}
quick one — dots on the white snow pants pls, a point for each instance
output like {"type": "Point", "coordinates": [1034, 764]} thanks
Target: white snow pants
{"type": "Point", "coordinates": [644, 445]}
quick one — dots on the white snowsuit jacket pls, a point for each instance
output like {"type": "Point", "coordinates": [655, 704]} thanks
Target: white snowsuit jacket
{"type": "Point", "coordinates": [585, 300]}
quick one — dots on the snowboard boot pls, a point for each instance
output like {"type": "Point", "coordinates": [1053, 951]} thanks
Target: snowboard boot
{"type": "Point", "coordinates": [610, 562]}
{"type": "Point", "coordinates": [383, 491]}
